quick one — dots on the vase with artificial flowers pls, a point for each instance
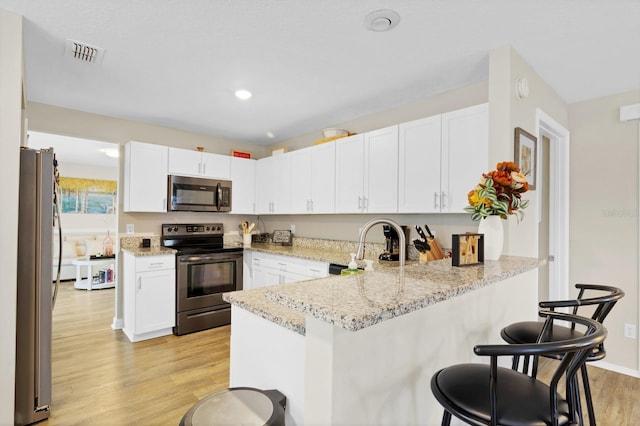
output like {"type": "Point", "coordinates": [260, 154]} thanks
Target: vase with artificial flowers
{"type": "Point", "coordinates": [497, 196]}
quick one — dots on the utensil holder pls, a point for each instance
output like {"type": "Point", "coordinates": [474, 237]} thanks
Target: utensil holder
{"type": "Point", "coordinates": [246, 240]}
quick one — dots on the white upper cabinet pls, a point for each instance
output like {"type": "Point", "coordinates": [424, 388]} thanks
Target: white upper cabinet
{"type": "Point", "coordinates": [419, 171]}
{"type": "Point", "coordinates": [273, 184]}
{"type": "Point", "coordinates": [350, 174]}
{"type": "Point", "coordinates": [216, 166]}
{"type": "Point", "coordinates": [442, 158]}
{"type": "Point", "coordinates": [145, 177]}
{"type": "Point", "coordinates": [313, 179]}
{"type": "Point", "coordinates": [465, 154]}
{"type": "Point", "coordinates": [186, 162]}
{"type": "Point", "coordinates": [367, 172]}
{"type": "Point", "coordinates": [243, 192]}
{"type": "Point", "coordinates": [381, 170]}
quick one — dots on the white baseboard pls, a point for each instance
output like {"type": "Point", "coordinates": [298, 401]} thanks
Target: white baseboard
{"type": "Point", "coordinates": [616, 368]}
{"type": "Point", "coordinates": [117, 324]}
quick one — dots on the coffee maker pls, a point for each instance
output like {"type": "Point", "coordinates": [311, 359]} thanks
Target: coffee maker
{"type": "Point", "coordinates": [392, 243]}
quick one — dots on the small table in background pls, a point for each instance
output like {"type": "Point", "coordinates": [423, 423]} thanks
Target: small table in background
{"type": "Point", "coordinates": [88, 284]}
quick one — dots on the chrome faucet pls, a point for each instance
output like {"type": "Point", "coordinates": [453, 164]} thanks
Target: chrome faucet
{"type": "Point", "coordinates": [399, 230]}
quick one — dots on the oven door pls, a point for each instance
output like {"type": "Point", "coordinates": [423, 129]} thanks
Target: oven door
{"type": "Point", "coordinates": [202, 278]}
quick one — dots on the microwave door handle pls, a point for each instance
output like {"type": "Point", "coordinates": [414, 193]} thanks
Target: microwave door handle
{"type": "Point", "coordinates": [218, 196]}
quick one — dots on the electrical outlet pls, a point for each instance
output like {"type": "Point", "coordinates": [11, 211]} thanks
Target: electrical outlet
{"type": "Point", "coordinates": [630, 331]}
{"type": "Point", "coordinates": [130, 228]}
{"type": "Point", "coordinates": [293, 228]}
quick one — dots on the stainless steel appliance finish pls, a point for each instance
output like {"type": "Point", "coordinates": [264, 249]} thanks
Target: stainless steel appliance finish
{"type": "Point", "coordinates": [205, 268]}
{"type": "Point", "coordinates": [198, 194]}
{"type": "Point", "coordinates": [34, 286]}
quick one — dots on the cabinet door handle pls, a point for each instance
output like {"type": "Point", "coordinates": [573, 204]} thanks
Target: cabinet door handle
{"type": "Point", "coordinates": [204, 168]}
{"type": "Point", "coordinates": [365, 203]}
{"type": "Point", "coordinates": [139, 283]}
{"type": "Point", "coordinates": [435, 200]}
{"type": "Point", "coordinates": [311, 202]}
{"type": "Point", "coordinates": [199, 168]}
{"type": "Point", "coordinates": [359, 203]}
{"type": "Point", "coordinates": [442, 202]}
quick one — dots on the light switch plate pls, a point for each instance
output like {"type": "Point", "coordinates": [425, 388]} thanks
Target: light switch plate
{"type": "Point", "coordinates": [130, 228]}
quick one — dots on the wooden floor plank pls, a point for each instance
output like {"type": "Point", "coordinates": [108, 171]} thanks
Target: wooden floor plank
{"type": "Point", "coordinates": [100, 378]}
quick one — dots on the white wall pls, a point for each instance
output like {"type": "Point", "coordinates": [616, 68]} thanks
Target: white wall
{"type": "Point", "coordinates": [473, 94]}
{"type": "Point", "coordinates": [10, 141]}
{"type": "Point", "coordinates": [61, 121]}
{"type": "Point", "coordinates": [507, 112]}
{"type": "Point", "coordinates": [604, 211]}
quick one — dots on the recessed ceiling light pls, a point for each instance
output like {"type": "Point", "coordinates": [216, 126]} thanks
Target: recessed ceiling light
{"type": "Point", "coordinates": [270, 135]}
{"type": "Point", "coordinates": [243, 94]}
{"type": "Point", "coordinates": [381, 20]}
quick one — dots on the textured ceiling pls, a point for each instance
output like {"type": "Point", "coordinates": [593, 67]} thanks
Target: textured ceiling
{"type": "Point", "coordinates": [310, 64]}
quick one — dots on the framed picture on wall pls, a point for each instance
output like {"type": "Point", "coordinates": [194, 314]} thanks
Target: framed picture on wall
{"type": "Point", "coordinates": [526, 155]}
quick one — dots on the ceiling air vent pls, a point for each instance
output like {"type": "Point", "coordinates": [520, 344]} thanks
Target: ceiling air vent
{"type": "Point", "coordinates": [83, 52]}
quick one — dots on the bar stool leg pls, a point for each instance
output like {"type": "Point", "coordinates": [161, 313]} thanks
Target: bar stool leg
{"type": "Point", "coordinates": [587, 395]}
{"type": "Point", "coordinates": [446, 418]}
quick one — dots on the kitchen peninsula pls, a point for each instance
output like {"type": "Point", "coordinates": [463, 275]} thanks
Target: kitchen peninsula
{"type": "Point", "coordinates": [361, 349]}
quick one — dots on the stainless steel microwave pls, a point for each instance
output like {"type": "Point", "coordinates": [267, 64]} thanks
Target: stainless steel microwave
{"type": "Point", "coordinates": [198, 194]}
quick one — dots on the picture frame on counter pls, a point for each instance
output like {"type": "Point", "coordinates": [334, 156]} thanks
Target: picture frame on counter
{"type": "Point", "coordinates": [467, 249]}
{"type": "Point", "coordinates": [526, 155]}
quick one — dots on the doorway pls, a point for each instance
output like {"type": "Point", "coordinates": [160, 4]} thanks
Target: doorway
{"type": "Point", "coordinates": [89, 171]}
{"type": "Point", "coordinates": [553, 210]}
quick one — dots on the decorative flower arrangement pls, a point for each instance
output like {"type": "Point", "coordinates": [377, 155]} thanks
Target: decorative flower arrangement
{"type": "Point", "coordinates": [499, 193]}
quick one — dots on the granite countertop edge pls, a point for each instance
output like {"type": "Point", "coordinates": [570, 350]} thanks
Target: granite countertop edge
{"type": "Point", "coordinates": [148, 251]}
{"type": "Point", "coordinates": [287, 304]}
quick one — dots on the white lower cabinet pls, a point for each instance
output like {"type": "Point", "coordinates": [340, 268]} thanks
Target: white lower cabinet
{"type": "Point", "coordinates": [269, 269]}
{"type": "Point", "coordinates": [149, 290]}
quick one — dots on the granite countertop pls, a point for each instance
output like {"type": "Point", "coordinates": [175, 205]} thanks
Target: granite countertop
{"type": "Point", "coordinates": [149, 251]}
{"type": "Point", "coordinates": [358, 301]}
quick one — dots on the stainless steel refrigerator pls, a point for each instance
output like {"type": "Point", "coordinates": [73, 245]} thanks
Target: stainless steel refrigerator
{"type": "Point", "coordinates": [34, 286]}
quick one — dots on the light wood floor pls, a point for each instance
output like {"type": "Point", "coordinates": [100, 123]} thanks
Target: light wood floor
{"type": "Point", "coordinates": [100, 378]}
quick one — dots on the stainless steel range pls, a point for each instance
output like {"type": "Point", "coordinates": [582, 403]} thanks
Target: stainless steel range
{"type": "Point", "coordinates": [205, 268]}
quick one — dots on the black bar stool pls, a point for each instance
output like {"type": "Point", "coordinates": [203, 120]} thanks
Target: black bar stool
{"type": "Point", "coordinates": [481, 394]}
{"type": "Point", "coordinates": [531, 331]}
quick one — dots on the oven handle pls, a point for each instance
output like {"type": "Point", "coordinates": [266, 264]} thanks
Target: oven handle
{"type": "Point", "coordinates": [215, 258]}
{"type": "Point", "coordinates": [191, 259]}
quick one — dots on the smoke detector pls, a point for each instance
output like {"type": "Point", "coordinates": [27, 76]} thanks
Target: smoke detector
{"type": "Point", "coordinates": [83, 52]}
{"type": "Point", "coordinates": [381, 20]}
